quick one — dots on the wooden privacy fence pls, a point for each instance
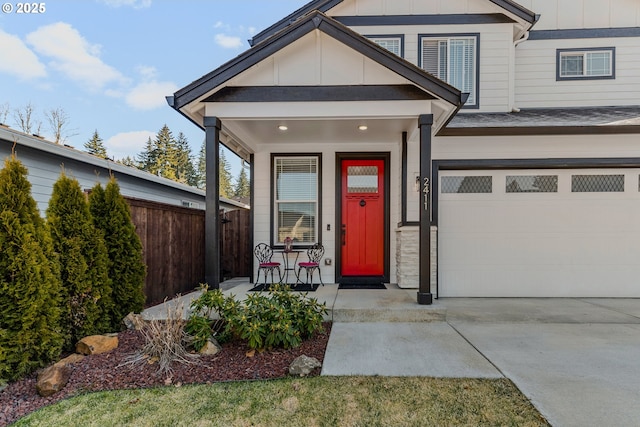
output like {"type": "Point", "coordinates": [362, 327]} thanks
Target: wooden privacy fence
{"type": "Point", "coordinates": [235, 243]}
{"type": "Point", "coordinates": [173, 245]}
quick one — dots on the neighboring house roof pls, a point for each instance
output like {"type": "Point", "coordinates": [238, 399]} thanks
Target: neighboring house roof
{"type": "Point", "coordinates": [548, 121]}
{"type": "Point", "coordinates": [326, 5]}
{"type": "Point", "coordinates": [38, 143]}
{"type": "Point", "coordinates": [310, 22]}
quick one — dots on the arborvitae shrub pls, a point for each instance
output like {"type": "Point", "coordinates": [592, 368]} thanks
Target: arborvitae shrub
{"type": "Point", "coordinates": [30, 334]}
{"type": "Point", "coordinates": [127, 270]}
{"type": "Point", "coordinates": [86, 287]}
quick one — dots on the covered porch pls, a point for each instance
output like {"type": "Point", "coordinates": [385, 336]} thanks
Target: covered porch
{"type": "Point", "coordinates": [337, 131]}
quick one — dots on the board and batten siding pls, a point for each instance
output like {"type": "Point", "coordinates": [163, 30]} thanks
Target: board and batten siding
{"type": "Point", "coordinates": [570, 14]}
{"type": "Point", "coordinates": [412, 7]}
{"type": "Point", "coordinates": [45, 162]}
{"type": "Point", "coordinates": [535, 79]}
{"type": "Point", "coordinates": [496, 59]}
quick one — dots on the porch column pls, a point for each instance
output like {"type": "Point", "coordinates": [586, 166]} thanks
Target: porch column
{"type": "Point", "coordinates": [424, 280]}
{"type": "Point", "coordinates": [252, 212]}
{"type": "Point", "coordinates": [212, 126]}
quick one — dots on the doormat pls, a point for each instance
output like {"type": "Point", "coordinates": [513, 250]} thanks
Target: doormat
{"type": "Point", "coordinates": [300, 287]}
{"type": "Point", "coordinates": [362, 286]}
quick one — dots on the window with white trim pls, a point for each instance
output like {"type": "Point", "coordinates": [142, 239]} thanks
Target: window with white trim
{"type": "Point", "coordinates": [391, 43]}
{"type": "Point", "coordinates": [577, 64]}
{"type": "Point", "coordinates": [453, 59]}
{"type": "Point", "coordinates": [296, 197]}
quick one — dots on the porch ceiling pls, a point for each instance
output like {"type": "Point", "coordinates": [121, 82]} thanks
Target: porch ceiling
{"type": "Point", "coordinates": [252, 133]}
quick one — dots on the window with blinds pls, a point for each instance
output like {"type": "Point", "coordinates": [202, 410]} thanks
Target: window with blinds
{"type": "Point", "coordinates": [296, 199]}
{"type": "Point", "coordinates": [454, 60]}
{"type": "Point", "coordinates": [391, 43]}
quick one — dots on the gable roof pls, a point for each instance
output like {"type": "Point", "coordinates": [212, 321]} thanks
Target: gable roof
{"type": "Point", "coordinates": [310, 22]}
{"type": "Point", "coordinates": [326, 5]}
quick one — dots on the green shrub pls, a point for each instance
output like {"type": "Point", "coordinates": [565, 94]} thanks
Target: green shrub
{"type": "Point", "coordinates": [30, 334]}
{"type": "Point", "coordinates": [280, 318]}
{"type": "Point", "coordinates": [86, 288]}
{"type": "Point", "coordinates": [126, 266]}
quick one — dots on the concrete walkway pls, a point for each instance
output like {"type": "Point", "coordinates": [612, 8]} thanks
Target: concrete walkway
{"type": "Point", "coordinates": [577, 360]}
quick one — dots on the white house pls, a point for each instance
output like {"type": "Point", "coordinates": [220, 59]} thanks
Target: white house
{"type": "Point", "coordinates": [518, 177]}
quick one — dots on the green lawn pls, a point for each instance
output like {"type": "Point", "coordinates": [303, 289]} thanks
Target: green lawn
{"type": "Point", "coordinates": [319, 401]}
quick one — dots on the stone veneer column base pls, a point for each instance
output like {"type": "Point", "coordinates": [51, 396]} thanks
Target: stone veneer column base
{"type": "Point", "coordinates": [407, 257]}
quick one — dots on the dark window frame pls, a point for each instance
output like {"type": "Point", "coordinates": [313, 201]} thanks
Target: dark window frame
{"type": "Point", "coordinates": [272, 214]}
{"type": "Point", "coordinates": [476, 105]}
{"type": "Point", "coordinates": [560, 52]}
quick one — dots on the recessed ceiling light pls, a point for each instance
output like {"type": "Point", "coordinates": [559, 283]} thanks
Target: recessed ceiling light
{"type": "Point", "coordinates": [363, 127]}
{"type": "Point", "coordinates": [283, 127]}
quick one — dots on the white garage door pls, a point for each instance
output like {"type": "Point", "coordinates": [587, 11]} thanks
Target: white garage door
{"type": "Point", "coordinates": [539, 233]}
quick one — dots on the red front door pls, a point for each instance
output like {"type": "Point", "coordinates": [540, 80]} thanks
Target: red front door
{"type": "Point", "coordinates": [363, 224]}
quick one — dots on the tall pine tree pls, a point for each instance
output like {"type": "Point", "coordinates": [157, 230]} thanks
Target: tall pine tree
{"type": "Point", "coordinates": [86, 287]}
{"type": "Point", "coordinates": [29, 279]}
{"type": "Point", "coordinates": [185, 172]}
{"type": "Point", "coordinates": [127, 270]}
{"type": "Point", "coordinates": [226, 185]}
{"type": "Point", "coordinates": [242, 185]}
{"type": "Point", "coordinates": [96, 146]}
{"type": "Point", "coordinates": [201, 168]}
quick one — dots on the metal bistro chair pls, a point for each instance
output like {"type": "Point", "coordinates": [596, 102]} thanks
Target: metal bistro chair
{"type": "Point", "coordinates": [263, 253]}
{"type": "Point", "coordinates": [315, 254]}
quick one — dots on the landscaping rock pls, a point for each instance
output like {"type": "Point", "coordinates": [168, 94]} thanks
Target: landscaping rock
{"type": "Point", "coordinates": [53, 379]}
{"type": "Point", "coordinates": [211, 348]}
{"type": "Point", "coordinates": [96, 344]}
{"type": "Point", "coordinates": [70, 360]}
{"type": "Point", "coordinates": [134, 322]}
{"type": "Point", "coordinates": [304, 365]}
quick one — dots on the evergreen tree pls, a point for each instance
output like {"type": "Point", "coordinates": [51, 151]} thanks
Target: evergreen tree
{"type": "Point", "coordinates": [127, 270]}
{"type": "Point", "coordinates": [147, 158]}
{"type": "Point", "coordinates": [201, 168]}
{"type": "Point", "coordinates": [86, 288]}
{"type": "Point", "coordinates": [226, 186]}
{"type": "Point", "coordinates": [129, 161]}
{"type": "Point", "coordinates": [29, 279]}
{"type": "Point", "coordinates": [185, 172]}
{"type": "Point", "coordinates": [96, 146]}
{"type": "Point", "coordinates": [242, 186]}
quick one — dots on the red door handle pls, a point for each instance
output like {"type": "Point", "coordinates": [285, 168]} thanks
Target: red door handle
{"type": "Point", "coordinates": [344, 234]}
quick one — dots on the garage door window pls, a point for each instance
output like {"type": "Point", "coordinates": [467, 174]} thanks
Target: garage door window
{"type": "Point", "coordinates": [532, 184]}
{"type": "Point", "coordinates": [597, 183]}
{"type": "Point", "coordinates": [467, 184]}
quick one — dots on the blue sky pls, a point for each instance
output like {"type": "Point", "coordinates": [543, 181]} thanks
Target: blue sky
{"type": "Point", "coordinates": [110, 63]}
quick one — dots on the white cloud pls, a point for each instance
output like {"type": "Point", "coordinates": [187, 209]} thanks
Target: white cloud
{"type": "Point", "coordinates": [150, 95]}
{"type": "Point", "coordinates": [136, 4]}
{"type": "Point", "coordinates": [18, 59]}
{"type": "Point", "coordinates": [74, 56]}
{"type": "Point", "coordinates": [228, 42]}
{"type": "Point", "coordinates": [128, 143]}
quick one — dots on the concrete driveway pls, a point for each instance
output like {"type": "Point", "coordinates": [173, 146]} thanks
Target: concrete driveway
{"type": "Point", "coordinates": [577, 360]}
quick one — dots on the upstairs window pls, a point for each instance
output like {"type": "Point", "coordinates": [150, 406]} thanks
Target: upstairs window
{"type": "Point", "coordinates": [585, 64]}
{"type": "Point", "coordinates": [394, 44]}
{"type": "Point", "coordinates": [453, 59]}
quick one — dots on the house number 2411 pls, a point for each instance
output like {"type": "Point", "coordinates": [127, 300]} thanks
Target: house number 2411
{"type": "Point", "coordinates": [425, 193]}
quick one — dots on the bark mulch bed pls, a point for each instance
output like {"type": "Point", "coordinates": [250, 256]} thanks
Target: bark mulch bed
{"type": "Point", "coordinates": [108, 371]}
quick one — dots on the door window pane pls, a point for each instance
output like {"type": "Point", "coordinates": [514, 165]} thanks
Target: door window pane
{"type": "Point", "coordinates": [467, 184]}
{"type": "Point", "coordinates": [532, 184]}
{"type": "Point", "coordinates": [362, 179]}
{"type": "Point", "coordinates": [597, 183]}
